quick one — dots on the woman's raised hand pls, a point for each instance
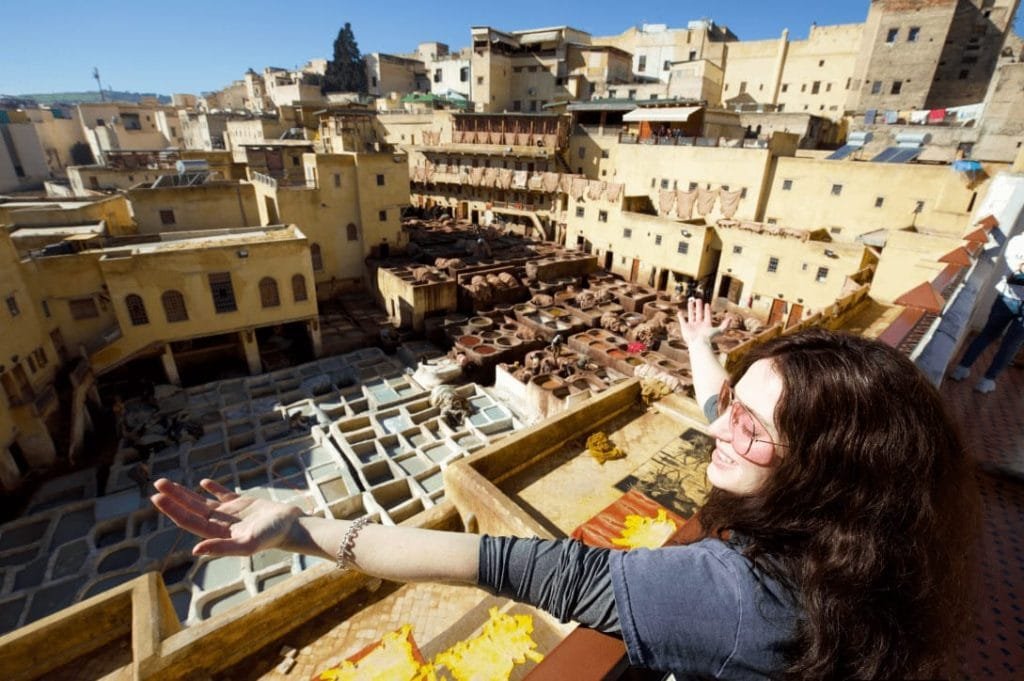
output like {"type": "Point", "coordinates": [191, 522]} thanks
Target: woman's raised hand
{"type": "Point", "coordinates": [695, 326]}
{"type": "Point", "coordinates": [229, 524]}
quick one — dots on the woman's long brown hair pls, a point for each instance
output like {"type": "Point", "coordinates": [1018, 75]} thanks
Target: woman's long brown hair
{"type": "Point", "coordinates": [870, 516]}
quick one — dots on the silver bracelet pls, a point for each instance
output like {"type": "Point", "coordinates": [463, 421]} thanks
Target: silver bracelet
{"type": "Point", "coordinates": [346, 557]}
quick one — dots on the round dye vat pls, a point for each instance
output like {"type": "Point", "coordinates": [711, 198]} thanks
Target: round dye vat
{"type": "Point", "coordinates": [485, 349]}
{"type": "Point", "coordinates": [118, 560]}
{"type": "Point", "coordinates": [508, 341]}
{"type": "Point", "coordinates": [469, 341]}
{"type": "Point", "coordinates": [490, 335]}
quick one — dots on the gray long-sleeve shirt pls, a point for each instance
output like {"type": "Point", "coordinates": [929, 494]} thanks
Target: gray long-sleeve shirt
{"type": "Point", "coordinates": [698, 611]}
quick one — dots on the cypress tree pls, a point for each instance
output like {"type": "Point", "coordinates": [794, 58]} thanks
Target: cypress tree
{"type": "Point", "coordinates": [346, 72]}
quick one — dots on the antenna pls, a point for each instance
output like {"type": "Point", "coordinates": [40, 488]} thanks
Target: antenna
{"type": "Point", "coordinates": [96, 75]}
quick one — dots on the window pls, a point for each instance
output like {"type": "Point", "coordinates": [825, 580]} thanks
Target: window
{"type": "Point", "coordinates": [785, 87]}
{"type": "Point", "coordinates": [913, 33]}
{"type": "Point", "coordinates": [897, 86]}
{"type": "Point", "coordinates": [580, 212]}
{"type": "Point", "coordinates": [787, 185]}
{"type": "Point", "coordinates": [295, 161]}
{"type": "Point", "coordinates": [380, 180]}
{"type": "Point", "coordinates": [837, 189]}
{"type": "Point", "coordinates": [631, 94]}
{"type": "Point", "coordinates": [373, 81]}
{"type": "Point", "coordinates": [773, 264]}
{"type": "Point", "coordinates": [836, 230]}
{"type": "Point", "coordinates": [604, 153]}
{"type": "Point", "coordinates": [743, 192]}
{"type": "Point", "coordinates": [351, 232]}
{"type": "Point", "coordinates": [828, 87]}
{"type": "Point", "coordinates": [581, 152]}
{"type": "Point", "coordinates": [268, 292]}
{"type": "Point", "coordinates": [464, 74]}
{"type": "Point", "coordinates": [743, 86]}
{"type": "Point", "coordinates": [627, 233]}
{"type": "Point", "coordinates": [479, 80]}
{"type": "Point", "coordinates": [517, 105]}
{"type": "Point", "coordinates": [876, 87]}
{"type": "Point", "coordinates": [666, 66]}
{"type": "Point", "coordinates": [166, 217]}
{"type": "Point", "coordinates": [683, 248]}
{"type": "Point", "coordinates": [382, 215]}
{"type": "Point", "coordinates": [822, 274]}
{"type": "Point", "coordinates": [692, 186]}
{"type": "Point", "coordinates": [437, 75]}
{"type": "Point", "coordinates": [83, 308]}
{"type": "Point", "coordinates": [772, 221]}
{"type": "Point", "coordinates": [46, 305]}
{"type": "Point", "coordinates": [299, 288]}
{"type": "Point", "coordinates": [815, 87]}
{"type": "Point", "coordinates": [602, 216]}
{"type": "Point", "coordinates": [803, 87]}
{"type": "Point", "coordinates": [318, 260]}
{"type": "Point", "coordinates": [653, 96]}
{"type": "Point", "coordinates": [890, 37]}
{"type": "Point", "coordinates": [12, 306]}
{"type": "Point", "coordinates": [174, 306]}
{"type": "Point", "coordinates": [737, 250]}
{"type": "Point", "coordinates": [693, 54]}
{"type": "Point", "coordinates": [918, 206]}
{"type": "Point", "coordinates": [657, 239]}
{"type": "Point", "coordinates": [664, 184]}
{"type": "Point", "coordinates": [879, 201]}
{"type": "Point", "coordinates": [821, 62]}
{"type": "Point", "coordinates": [641, 64]}
{"type": "Point", "coordinates": [337, 180]}
{"type": "Point", "coordinates": [222, 291]}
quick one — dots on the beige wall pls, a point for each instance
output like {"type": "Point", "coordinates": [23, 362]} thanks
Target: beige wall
{"type": "Point", "coordinates": [113, 210]}
{"type": "Point", "coordinates": [828, 58]}
{"type": "Point", "coordinates": [214, 205]}
{"type": "Point", "coordinates": [811, 204]}
{"type": "Point", "coordinates": [279, 254]}
{"type": "Point", "coordinates": [796, 276]}
{"type": "Point", "coordinates": [409, 302]}
{"type": "Point", "coordinates": [908, 259]}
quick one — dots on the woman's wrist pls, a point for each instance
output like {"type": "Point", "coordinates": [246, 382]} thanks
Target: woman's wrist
{"type": "Point", "coordinates": [298, 538]}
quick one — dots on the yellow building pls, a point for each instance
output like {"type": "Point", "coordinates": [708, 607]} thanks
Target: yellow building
{"type": "Point", "coordinates": [348, 205]}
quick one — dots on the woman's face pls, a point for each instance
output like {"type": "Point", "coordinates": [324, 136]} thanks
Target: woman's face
{"type": "Point", "coordinates": [758, 392]}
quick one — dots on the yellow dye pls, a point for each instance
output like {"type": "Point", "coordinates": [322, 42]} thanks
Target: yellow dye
{"type": "Point", "coordinates": [392, 660]}
{"type": "Point", "coordinates": [504, 642]}
{"type": "Point", "coordinates": [646, 533]}
{"type": "Point", "coordinates": [601, 449]}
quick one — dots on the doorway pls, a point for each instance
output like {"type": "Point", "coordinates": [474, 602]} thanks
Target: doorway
{"type": "Point", "coordinates": [609, 260]}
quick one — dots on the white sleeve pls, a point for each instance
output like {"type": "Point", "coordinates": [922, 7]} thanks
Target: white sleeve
{"type": "Point", "coordinates": [1014, 253]}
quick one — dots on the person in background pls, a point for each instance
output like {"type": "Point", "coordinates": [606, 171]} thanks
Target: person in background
{"type": "Point", "coordinates": [1005, 318]}
{"type": "Point", "coordinates": [838, 534]}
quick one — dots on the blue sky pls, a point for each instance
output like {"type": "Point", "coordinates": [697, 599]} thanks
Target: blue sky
{"type": "Point", "coordinates": [189, 46]}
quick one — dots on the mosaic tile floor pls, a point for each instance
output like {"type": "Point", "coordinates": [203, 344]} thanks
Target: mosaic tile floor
{"type": "Point", "coordinates": [994, 430]}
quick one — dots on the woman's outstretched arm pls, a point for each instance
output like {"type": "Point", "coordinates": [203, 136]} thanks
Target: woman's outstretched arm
{"type": "Point", "coordinates": [697, 330]}
{"type": "Point", "coordinates": [236, 525]}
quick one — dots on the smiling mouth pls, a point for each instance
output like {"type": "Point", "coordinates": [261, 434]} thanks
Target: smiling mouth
{"type": "Point", "coordinates": [725, 458]}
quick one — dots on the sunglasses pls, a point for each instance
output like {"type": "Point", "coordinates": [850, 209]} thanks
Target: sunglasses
{"type": "Point", "coordinates": [745, 429]}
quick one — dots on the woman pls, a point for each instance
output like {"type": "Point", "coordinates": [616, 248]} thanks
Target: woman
{"type": "Point", "coordinates": [838, 531]}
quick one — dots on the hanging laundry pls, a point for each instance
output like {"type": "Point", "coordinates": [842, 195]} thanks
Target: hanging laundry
{"type": "Point", "coordinates": [505, 178]}
{"type": "Point", "coordinates": [730, 201]}
{"type": "Point", "coordinates": [550, 183]}
{"type": "Point", "coordinates": [706, 201]}
{"type": "Point", "coordinates": [475, 176]}
{"type": "Point", "coordinates": [684, 203]}
{"type": "Point", "coordinates": [595, 189]}
{"type": "Point", "coordinates": [490, 177]}
{"type": "Point", "coordinates": [937, 116]}
{"type": "Point", "coordinates": [613, 191]}
{"type": "Point", "coordinates": [579, 186]}
{"type": "Point", "coordinates": [536, 182]}
{"type": "Point", "coordinates": [564, 183]}
{"type": "Point", "coordinates": [869, 116]}
{"type": "Point", "coordinates": [892, 117]}
{"type": "Point", "coordinates": [666, 199]}
{"type": "Point", "coordinates": [919, 117]}
{"type": "Point", "coordinates": [519, 179]}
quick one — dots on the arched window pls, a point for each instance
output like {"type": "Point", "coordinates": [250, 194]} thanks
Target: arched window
{"type": "Point", "coordinates": [318, 260]}
{"type": "Point", "coordinates": [299, 288]}
{"type": "Point", "coordinates": [136, 310]}
{"type": "Point", "coordinates": [174, 306]}
{"type": "Point", "coordinates": [352, 232]}
{"type": "Point", "coordinates": [268, 292]}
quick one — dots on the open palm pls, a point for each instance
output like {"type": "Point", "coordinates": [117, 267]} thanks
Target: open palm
{"type": "Point", "coordinates": [696, 325]}
{"type": "Point", "coordinates": [229, 524]}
